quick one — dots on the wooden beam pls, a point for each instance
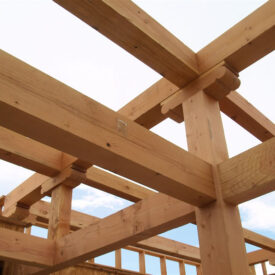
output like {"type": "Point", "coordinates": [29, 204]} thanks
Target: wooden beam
{"type": "Point", "coordinates": [243, 44]}
{"type": "Point", "coordinates": [259, 256]}
{"type": "Point", "coordinates": [115, 185]}
{"type": "Point", "coordinates": [246, 115]}
{"type": "Point", "coordinates": [60, 212]}
{"type": "Point", "coordinates": [249, 174]}
{"type": "Point", "coordinates": [118, 260]}
{"type": "Point", "coordinates": [146, 218]}
{"type": "Point", "coordinates": [219, 225]}
{"type": "Point", "coordinates": [120, 145]}
{"type": "Point", "coordinates": [163, 268]}
{"type": "Point", "coordinates": [21, 248]}
{"type": "Point", "coordinates": [264, 268]}
{"type": "Point", "coordinates": [259, 240]}
{"type": "Point", "coordinates": [182, 268]}
{"type": "Point", "coordinates": [142, 267]}
{"type": "Point", "coordinates": [217, 83]}
{"type": "Point", "coordinates": [252, 270]}
{"type": "Point", "coordinates": [145, 109]}
{"type": "Point", "coordinates": [28, 153]}
{"type": "Point", "coordinates": [172, 248]}
{"type": "Point", "coordinates": [131, 28]}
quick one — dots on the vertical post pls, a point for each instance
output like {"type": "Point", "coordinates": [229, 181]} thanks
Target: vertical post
{"type": "Point", "coordinates": [252, 270]}
{"type": "Point", "coordinates": [182, 268]}
{"type": "Point", "coordinates": [60, 214]}
{"type": "Point", "coordinates": [118, 258]}
{"type": "Point", "coordinates": [264, 268]}
{"type": "Point", "coordinates": [198, 269]}
{"type": "Point", "coordinates": [219, 226]}
{"type": "Point", "coordinates": [142, 268]}
{"type": "Point", "coordinates": [92, 261]}
{"type": "Point", "coordinates": [163, 269]}
{"type": "Point", "coordinates": [28, 230]}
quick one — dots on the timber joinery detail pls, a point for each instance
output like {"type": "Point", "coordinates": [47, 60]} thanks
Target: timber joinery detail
{"type": "Point", "coordinates": [202, 186]}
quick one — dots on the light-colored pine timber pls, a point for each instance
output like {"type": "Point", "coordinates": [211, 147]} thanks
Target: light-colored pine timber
{"type": "Point", "coordinates": [217, 83]}
{"type": "Point", "coordinates": [21, 248]}
{"type": "Point", "coordinates": [163, 268]}
{"type": "Point", "coordinates": [259, 256]}
{"type": "Point", "coordinates": [219, 225]}
{"type": "Point", "coordinates": [250, 174]}
{"type": "Point", "coordinates": [246, 115]}
{"type": "Point", "coordinates": [182, 268]}
{"type": "Point", "coordinates": [60, 212]}
{"type": "Point", "coordinates": [259, 240]}
{"type": "Point", "coordinates": [145, 109]}
{"type": "Point", "coordinates": [264, 268]}
{"type": "Point", "coordinates": [252, 270]}
{"type": "Point", "coordinates": [243, 44]}
{"type": "Point", "coordinates": [119, 144]}
{"type": "Point", "coordinates": [28, 153]}
{"type": "Point", "coordinates": [145, 219]}
{"type": "Point", "coordinates": [118, 259]}
{"type": "Point", "coordinates": [115, 185]}
{"type": "Point", "coordinates": [199, 270]}
{"type": "Point", "coordinates": [131, 28]}
{"type": "Point", "coordinates": [142, 268]}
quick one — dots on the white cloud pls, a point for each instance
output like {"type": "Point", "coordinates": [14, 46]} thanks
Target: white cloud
{"type": "Point", "coordinates": [259, 214]}
{"type": "Point", "coordinates": [94, 198]}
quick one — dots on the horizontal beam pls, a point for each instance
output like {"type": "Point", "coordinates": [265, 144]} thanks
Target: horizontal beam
{"type": "Point", "coordinates": [145, 109]}
{"type": "Point", "coordinates": [32, 155]}
{"type": "Point", "coordinates": [115, 185]}
{"type": "Point", "coordinates": [250, 174]}
{"type": "Point", "coordinates": [143, 220]}
{"type": "Point", "coordinates": [119, 144]}
{"type": "Point", "coordinates": [131, 28]}
{"type": "Point", "coordinates": [243, 44]}
{"type": "Point", "coordinates": [25, 249]}
{"type": "Point", "coordinates": [246, 115]}
{"type": "Point", "coordinates": [259, 256]}
{"type": "Point", "coordinates": [158, 244]}
{"type": "Point", "coordinates": [170, 247]}
{"type": "Point", "coordinates": [259, 240]}
{"type": "Point", "coordinates": [217, 83]}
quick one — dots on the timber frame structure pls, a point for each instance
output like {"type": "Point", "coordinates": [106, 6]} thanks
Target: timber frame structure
{"type": "Point", "coordinates": [60, 134]}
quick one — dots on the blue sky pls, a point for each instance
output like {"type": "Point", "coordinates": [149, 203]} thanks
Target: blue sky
{"type": "Point", "coordinates": [47, 37]}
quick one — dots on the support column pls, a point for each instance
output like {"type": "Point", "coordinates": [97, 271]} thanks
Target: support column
{"type": "Point", "coordinates": [163, 269]}
{"type": "Point", "coordinates": [182, 268]}
{"type": "Point", "coordinates": [60, 214]}
{"type": "Point", "coordinates": [219, 226]}
{"type": "Point", "coordinates": [118, 258]}
{"type": "Point", "coordinates": [264, 268]}
{"type": "Point", "coordinates": [61, 188]}
{"type": "Point", "coordinates": [142, 268]}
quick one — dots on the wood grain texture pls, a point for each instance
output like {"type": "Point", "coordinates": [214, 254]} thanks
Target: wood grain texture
{"type": "Point", "coordinates": [259, 240]}
{"type": "Point", "coordinates": [60, 212]}
{"type": "Point", "coordinates": [146, 218]}
{"type": "Point", "coordinates": [21, 248]}
{"type": "Point", "coordinates": [246, 115]}
{"type": "Point", "coordinates": [131, 28]}
{"type": "Point", "coordinates": [249, 174]}
{"type": "Point", "coordinates": [62, 118]}
{"type": "Point", "coordinates": [243, 44]}
{"type": "Point", "coordinates": [259, 256]}
{"type": "Point", "coordinates": [219, 226]}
